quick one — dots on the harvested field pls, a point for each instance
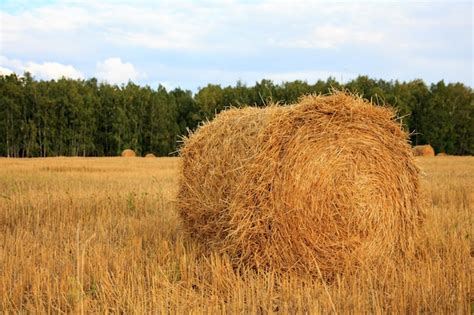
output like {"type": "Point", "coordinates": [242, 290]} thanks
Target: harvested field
{"type": "Point", "coordinates": [111, 241]}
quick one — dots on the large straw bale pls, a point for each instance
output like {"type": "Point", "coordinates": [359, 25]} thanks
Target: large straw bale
{"type": "Point", "coordinates": [128, 153]}
{"type": "Point", "coordinates": [423, 150]}
{"type": "Point", "coordinates": [213, 162]}
{"type": "Point", "coordinates": [321, 186]}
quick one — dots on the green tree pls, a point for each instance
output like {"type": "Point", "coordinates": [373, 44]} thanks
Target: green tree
{"type": "Point", "coordinates": [210, 100]}
{"type": "Point", "coordinates": [11, 102]}
{"type": "Point", "coordinates": [447, 121]}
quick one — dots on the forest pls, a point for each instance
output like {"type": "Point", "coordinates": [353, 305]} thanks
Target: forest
{"type": "Point", "coordinates": [67, 117]}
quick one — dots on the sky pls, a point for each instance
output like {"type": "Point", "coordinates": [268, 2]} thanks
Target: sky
{"type": "Point", "coordinates": [189, 44]}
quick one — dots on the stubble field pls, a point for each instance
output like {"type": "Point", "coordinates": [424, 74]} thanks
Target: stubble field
{"type": "Point", "coordinates": [101, 235]}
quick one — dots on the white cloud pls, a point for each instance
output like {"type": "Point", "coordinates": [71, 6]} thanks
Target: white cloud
{"type": "Point", "coordinates": [53, 70]}
{"type": "Point", "coordinates": [5, 71]}
{"type": "Point", "coordinates": [45, 29]}
{"type": "Point", "coordinates": [48, 18]}
{"type": "Point", "coordinates": [233, 37]}
{"type": "Point", "coordinates": [216, 25]}
{"type": "Point", "coordinates": [113, 70]}
{"type": "Point", "coordinates": [14, 64]}
{"type": "Point", "coordinates": [173, 40]}
{"type": "Point", "coordinates": [185, 26]}
{"type": "Point", "coordinates": [330, 36]}
{"type": "Point", "coordinates": [46, 70]}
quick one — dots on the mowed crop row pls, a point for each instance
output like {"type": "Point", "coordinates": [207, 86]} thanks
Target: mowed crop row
{"type": "Point", "coordinates": [102, 235]}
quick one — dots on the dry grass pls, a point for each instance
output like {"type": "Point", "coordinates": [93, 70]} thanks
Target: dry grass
{"type": "Point", "coordinates": [101, 235]}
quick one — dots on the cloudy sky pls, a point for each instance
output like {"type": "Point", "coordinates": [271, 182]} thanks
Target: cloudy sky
{"type": "Point", "coordinates": [192, 43]}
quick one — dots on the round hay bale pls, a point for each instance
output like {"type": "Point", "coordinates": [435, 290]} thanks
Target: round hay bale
{"type": "Point", "coordinates": [423, 150]}
{"type": "Point", "coordinates": [150, 155]}
{"type": "Point", "coordinates": [321, 186]}
{"type": "Point", "coordinates": [442, 154]}
{"type": "Point", "coordinates": [213, 160]}
{"type": "Point", "coordinates": [128, 153]}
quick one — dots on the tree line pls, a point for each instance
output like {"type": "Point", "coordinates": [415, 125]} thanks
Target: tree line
{"type": "Point", "coordinates": [68, 117]}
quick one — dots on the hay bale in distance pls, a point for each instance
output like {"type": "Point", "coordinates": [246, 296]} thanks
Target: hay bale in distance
{"type": "Point", "coordinates": [128, 153]}
{"type": "Point", "coordinates": [423, 150]}
{"type": "Point", "coordinates": [327, 184]}
{"type": "Point", "coordinates": [442, 154]}
{"type": "Point", "coordinates": [150, 155]}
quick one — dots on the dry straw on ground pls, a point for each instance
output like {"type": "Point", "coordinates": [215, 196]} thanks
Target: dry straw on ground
{"type": "Point", "coordinates": [423, 150]}
{"type": "Point", "coordinates": [150, 155]}
{"type": "Point", "coordinates": [128, 153]}
{"type": "Point", "coordinates": [318, 187]}
{"type": "Point", "coordinates": [138, 262]}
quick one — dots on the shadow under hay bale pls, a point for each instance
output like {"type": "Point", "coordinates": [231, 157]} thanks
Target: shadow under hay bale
{"type": "Point", "coordinates": [423, 150]}
{"type": "Point", "coordinates": [320, 186]}
{"type": "Point", "coordinates": [128, 153]}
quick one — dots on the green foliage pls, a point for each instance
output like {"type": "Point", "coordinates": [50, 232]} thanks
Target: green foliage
{"type": "Point", "coordinates": [87, 118]}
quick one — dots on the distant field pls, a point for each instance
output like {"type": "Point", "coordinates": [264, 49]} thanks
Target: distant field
{"type": "Point", "coordinates": [101, 235]}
